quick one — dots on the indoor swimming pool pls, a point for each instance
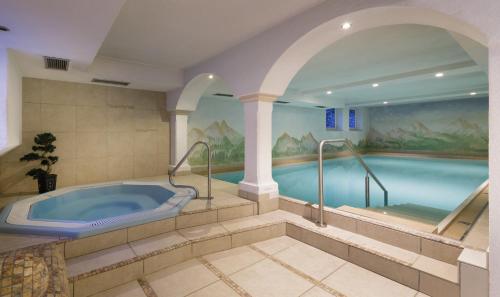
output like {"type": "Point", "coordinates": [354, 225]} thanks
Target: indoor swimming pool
{"type": "Point", "coordinates": [434, 183]}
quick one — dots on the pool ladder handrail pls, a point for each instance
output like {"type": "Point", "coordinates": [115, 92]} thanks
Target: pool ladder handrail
{"type": "Point", "coordinates": [369, 173]}
{"type": "Point", "coordinates": [171, 173]}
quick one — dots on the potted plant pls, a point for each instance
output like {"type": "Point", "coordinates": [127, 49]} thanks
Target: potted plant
{"type": "Point", "coordinates": [41, 151]}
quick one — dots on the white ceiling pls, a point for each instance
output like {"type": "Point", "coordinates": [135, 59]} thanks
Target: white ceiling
{"type": "Point", "coordinates": [180, 33]}
{"type": "Point", "coordinates": [401, 59]}
{"type": "Point", "coordinates": [68, 29]}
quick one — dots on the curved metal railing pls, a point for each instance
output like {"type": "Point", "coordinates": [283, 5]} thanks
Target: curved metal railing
{"type": "Point", "coordinates": [172, 172]}
{"type": "Point", "coordinates": [369, 173]}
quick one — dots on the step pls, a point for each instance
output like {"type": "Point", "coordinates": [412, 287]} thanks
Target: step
{"type": "Point", "coordinates": [104, 269]}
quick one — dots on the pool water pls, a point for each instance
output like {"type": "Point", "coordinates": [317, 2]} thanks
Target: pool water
{"type": "Point", "coordinates": [87, 205]}
{"type": "Point", "coordinates": [436, 183]}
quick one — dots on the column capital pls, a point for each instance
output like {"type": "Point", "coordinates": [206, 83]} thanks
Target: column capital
{"type": "Point", "coordinates": [258, 97]}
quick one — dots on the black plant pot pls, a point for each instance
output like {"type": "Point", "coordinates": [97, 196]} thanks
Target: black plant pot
{"type": "Point", "coordinates": [47, 183]}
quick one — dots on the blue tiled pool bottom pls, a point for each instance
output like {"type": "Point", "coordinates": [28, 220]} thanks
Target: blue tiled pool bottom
{"type": "Point", "coordinates": [430, 182]}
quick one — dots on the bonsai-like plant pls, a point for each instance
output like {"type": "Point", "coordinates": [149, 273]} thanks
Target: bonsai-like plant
{"type": "Point", "coordinates": [41, 152]}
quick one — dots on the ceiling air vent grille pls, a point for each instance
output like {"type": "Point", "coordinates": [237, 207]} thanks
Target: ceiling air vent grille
{"type": "Point", "coordinates": [320, 106]}
{"type": "Point", "coordinates": [282, 102]}
{"type": "Point", "coordinates": [110, 82]}
{"type": "Point", "coordinates": [56, 63]}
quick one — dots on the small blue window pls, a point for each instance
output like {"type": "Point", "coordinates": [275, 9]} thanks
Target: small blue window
{"type": "Point", "coordinates": [330, 119]}
{"type": "Point", "coordinates": [352, 119]}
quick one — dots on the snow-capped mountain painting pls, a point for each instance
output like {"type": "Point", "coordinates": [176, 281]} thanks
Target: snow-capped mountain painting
{"type": "Point", "coordinates": [454, 127]}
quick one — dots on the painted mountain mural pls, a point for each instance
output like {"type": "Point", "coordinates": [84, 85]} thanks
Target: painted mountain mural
{"type": "Point", "coordinates": [288, 146]}
{"type": "Point", "coordinates": [226, 143]}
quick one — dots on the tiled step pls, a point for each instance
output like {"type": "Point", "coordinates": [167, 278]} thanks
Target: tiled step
{"type": "Point", "coordinates": [101, 270]}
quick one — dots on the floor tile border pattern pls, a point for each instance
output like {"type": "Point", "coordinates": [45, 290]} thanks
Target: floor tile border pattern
{"type": "Point", "coordinates": [136, 259]}
{"type": "Point", "coordinates": [239, 290]}
{"type": "Point", "coordinates": [146, 287]}
{"type": "Point", "coordinates": [314, 281]}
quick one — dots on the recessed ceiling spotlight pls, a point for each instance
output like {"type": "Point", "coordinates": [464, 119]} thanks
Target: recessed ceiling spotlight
{"type": "Point", "coordinates": [385, 102]}
{"type": "Point", "coordinates": [329, 92]}
{"type": "Point", "coordinates": [211, 76]}
{"type": "Point", "coordinates": [346, 26]}
{"type": "Point", "coordinates": [439, 74]}
{"type": "Point", "coordinates": [473, 93]}
{"type": "Point", "coordinates": [4, 29]}
{"type": "Point", "coordinates": [375, 85]}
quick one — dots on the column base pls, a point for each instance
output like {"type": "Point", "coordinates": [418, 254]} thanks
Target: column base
{"type": "Point", "coordinates": [266, 195]}
{"type": "Point", "coordinates": [183, 170]}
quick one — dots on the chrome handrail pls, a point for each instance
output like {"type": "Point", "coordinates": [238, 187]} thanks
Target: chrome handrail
{"type": "Point", "coordinates": [171, 173]}
{"type": "Point", "coordinates": [369, 173]}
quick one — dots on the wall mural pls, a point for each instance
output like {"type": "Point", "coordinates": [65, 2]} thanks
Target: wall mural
{"type": "Point", "coordinates": [453, 127]}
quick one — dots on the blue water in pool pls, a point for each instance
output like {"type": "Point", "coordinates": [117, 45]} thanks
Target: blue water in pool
{"type": "Point", "coordinates": [438, 183]}
{"type": "Point", "coordinates": [92, 204]}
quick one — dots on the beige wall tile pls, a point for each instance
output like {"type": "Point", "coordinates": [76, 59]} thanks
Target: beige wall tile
{"type": "Point", "coordinates": [145, 142]}
{"type": "Point", "coordinates": [120, 167]}
{"type": "Point", "coordinates": [148, 100]}
{"type": "Point", "coordinates": [145, 165]}
{"type": "Point", "coordinates": [195, 219]}
{"type": "Point", "coordinates": [163, 134]}
{"type": "Point", "coordinates": [66, 172]}
{"type": "Point", "coordinates": [32, 90]}
{"type": "Point", "coordinates": [146, 119]}
{"type": "Point", "coordinates": [13, 177]}
{"type": "Point", "coordinates": [58, 92]}
{"type": "Point", "coordinates": [109, 279]}
{"type": "Point", "coordinates": [65, 145]}
{"type": "Point", "coordinates": [440, 251]}
{"type": "Point", "coordinates": [90, 95]}
{"type": "Point", "coordinates": [91, 121]}
{"type": "Point", "coordinates": [91, 170]}
{"type": "Point", "coordinates": [120, 97]}
{"type": "Point", "coordinates": [91, 144]}
{"type": "Point", "coordinates": [150, 229]}
{"type": "Point", "coordinates": [120, 143]}
{"type": "Point", "coordinates": [58, 118]}
{"type": "Point", "coordinates": [163, 260]}
{"type": "Point", "coordinates": [32, 114]}
{"type": "Point", "coordinates": [90, 118]}
{"type": "Point", "coordinates": [163, 164]}
{"type": "Point", "coordinates": [339, 221]}
{"type": "Point", "coordinates": [95, 243]}
{"type": "Point", "coordinates": [120, 119]}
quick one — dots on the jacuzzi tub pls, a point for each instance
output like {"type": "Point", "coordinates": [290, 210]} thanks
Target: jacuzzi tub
{"type": "Point", "coordinates": [88, 210]}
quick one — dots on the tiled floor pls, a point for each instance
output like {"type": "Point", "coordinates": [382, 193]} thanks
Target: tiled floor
{"type": "Point", "coordinates": [277, 267]}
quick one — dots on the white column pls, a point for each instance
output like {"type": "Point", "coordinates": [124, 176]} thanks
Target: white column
{"type": "Point", "coordinates": [179, 139]}
{"type": "Point", "coordinates": [258, 183]}
{"type": "Point", "coordinates": [494, 165]}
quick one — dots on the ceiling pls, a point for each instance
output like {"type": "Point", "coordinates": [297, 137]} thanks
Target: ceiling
{"type": "Point", "coordinates": [181, 33]}
{"type": "Point", "coordinates": [402, 59]}
{"type": "Point", "coordinates": [58, 28]}
{"type": "Point", "coordinates": [144, 42]}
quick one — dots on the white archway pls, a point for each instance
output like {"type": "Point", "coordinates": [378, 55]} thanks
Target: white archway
{"type": "Point", "coordinates": [180, 104]}
{"type": "Point", "coordinates": [300, 52]}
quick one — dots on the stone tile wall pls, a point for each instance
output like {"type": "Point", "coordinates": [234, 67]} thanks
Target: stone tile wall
{"type": "Point", "coordinates": [103, 133]}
